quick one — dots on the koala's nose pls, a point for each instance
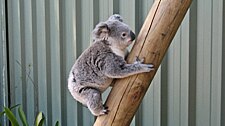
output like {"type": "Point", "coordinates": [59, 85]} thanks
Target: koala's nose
{"type": "Point", "coordinates": [132, 35]}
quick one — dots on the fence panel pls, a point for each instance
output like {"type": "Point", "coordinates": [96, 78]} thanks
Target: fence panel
{"type": "Point", "coordinates": [45, 37]}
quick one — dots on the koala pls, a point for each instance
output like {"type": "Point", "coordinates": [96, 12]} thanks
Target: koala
{"type": "Point", "coordinates": [98, 65]}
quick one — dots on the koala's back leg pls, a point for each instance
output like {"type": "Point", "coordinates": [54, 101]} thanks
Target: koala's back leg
{"type": "Point", "coordinates": [94, 101]}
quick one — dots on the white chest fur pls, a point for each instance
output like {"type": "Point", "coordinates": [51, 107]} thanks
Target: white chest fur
{"type": "Point", "coordinates": [119, 52]}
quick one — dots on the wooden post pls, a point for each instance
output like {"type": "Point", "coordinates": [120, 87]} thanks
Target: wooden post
{"type": "Point", "coordinates": [152, 43]}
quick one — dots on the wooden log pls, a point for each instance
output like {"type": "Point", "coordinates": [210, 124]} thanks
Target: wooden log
{"type": "Point", "coordinates": [152, 43]}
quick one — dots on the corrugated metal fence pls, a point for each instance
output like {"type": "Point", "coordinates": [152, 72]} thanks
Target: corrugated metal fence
{"type": "Point", "coordinates": [44, 37]}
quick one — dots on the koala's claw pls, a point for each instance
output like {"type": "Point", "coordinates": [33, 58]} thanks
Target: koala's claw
{"type": "Point", "coordinates": [137, 60]}
{"type": "Point", "coordinates": [105, 107]}
{"type": "Point", "coordinates": [105, 38]}
{"type": "Point", "coordinates": [142, 60]}
{"type": "Point", "coordinates": [149, 67]}
{"type": "Point", "coordinates": [105, 110]}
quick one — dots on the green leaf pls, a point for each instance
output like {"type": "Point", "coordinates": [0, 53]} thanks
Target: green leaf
{"type": "Point", "coordinates": [14, 106]}
{"type": "Point", "coordinates": [22, 116]}
{"type": "Point", "coordinates": [2, 113]}
{"type": "Point", "coordinates": [11, 116]}
{"type": "Point", "coordinates": [57, 123]}
{"type": "Point", "coordinates": [39, 121]}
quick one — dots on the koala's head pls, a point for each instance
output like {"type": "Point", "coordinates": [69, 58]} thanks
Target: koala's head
{"type": "Point", "coordinates": [117, 33]}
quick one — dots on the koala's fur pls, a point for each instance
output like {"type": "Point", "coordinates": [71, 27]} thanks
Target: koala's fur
{"type": "Point", "coordinates": [104, 60]}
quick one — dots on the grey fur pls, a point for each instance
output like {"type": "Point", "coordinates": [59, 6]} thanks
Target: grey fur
{"type": "Point", "coordinates": [104, 60]}
{"type": "Point", "coordinates": [116, 17]}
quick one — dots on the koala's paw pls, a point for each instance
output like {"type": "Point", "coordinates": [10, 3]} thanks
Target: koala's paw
{"type": "Point", "coordinates": [147, 67]}
{"type": "Point", "coordinates": [144, 67]}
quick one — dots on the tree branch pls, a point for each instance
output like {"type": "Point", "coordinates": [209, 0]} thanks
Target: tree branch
{"type": "Point", "coordinates": [152, 43]}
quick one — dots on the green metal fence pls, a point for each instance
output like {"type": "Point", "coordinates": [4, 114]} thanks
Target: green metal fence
{"type": "Point", "coordinates": [40, 40]}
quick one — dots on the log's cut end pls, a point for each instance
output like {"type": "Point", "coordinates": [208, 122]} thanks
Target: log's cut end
{"type": "Point", "coordinates": [156, 34]}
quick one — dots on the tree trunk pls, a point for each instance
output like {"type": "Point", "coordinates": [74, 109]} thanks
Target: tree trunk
{"type": "Point", "coordinates": [151, 44]}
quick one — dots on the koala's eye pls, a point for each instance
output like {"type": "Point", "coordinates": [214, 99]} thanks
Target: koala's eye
{"type": "Point", "coordinates": [124, 34]}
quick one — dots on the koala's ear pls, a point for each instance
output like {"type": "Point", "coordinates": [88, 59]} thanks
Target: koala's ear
{"type": "Point", "coordinates": [101, 31]}
{"type": "Point", "coordinates": [116, 17]}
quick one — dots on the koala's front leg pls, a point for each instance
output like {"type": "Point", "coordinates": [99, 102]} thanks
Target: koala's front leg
{"type": "Point", "coordinates": [120, 71]}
